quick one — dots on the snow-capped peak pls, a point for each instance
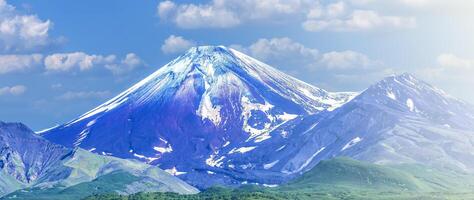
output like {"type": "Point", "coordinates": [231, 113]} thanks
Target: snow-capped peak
{"type": "Point", "coordinates": [219, 71]}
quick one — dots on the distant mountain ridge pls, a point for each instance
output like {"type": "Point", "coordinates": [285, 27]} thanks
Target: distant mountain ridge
{"type": "Point", "coordinates": [216, 114]}
{"type": "Point", "coordinates": [31, 163]}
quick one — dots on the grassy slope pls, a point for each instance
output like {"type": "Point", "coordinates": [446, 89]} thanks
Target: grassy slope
{"type": "Point", "coordinates": [95, 174]}
{"type": "Point", "coordinates": [343, 178]}
{"type": "Point", "coordinates": [109, 183]}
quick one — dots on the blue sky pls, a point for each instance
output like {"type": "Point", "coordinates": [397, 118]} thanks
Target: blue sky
{"type": "Point", "coordinates": [60, 59]}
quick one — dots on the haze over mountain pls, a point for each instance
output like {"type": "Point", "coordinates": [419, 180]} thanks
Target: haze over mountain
{"type": "Point", "coordinates": [216, 114]}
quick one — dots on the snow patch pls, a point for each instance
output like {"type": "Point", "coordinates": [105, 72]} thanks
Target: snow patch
{"type": "Point", "coordinates": [209, 111]}
{"type": "Point", "coordinates": [242, 150]}
{"type": "Point", "coordinates": [306, 163]}
{"type": "Point", "coordinates": [247, 108]}
{"type": "Point", "coordinates": [210, 172]}
{"type": "Point", "coordinates": [351, 143]}
{"type": "Point", "coordinates": [391, 95]}
{"type": "Point", "coordinates": [46, 130]}
{"type": "Point", "coordinates": [270, 165]}
{"type": "Point", "coordinates": [173, 171]}
{"type": "Point", "coordinates": [213, 162]}
{"type": "Point", "coordinates": [279, 149]}
{"type": "Point", "coordinates": [226, 144]}
{"type": "Point", "coordinates": [247, 166]}
{"type": "Point", "coordinates": [310, 128]}
{"type": "Point", "coordinates": [286, 117]}
{"type": "Point", "coordinates": [270, 185]}
{"type": "Point", "coordinates": [149, 159]}
{"type": "Point", "coordinates": [82, 135]}
{"type": "Point", "coordinates": [410, 105]}
{"type": "Point", "coordinates": [163, 150]}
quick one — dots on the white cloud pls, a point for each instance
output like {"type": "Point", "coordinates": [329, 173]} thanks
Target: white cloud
{"type": "Point", "coordinates": [165, 9]}
{"type": "Point", "coordinates": [80, 61]}
{"type": "Point", "coordinates": [13, 90]}
{"type": "Point", "coordinates": [453, 73]}
{"type": "Point", "coordinates": [346, 60]}
{"type": "Point", "coordinates": [449, 65]}
{"type": "Point", "coordinates": [16, 63]}
{"type": "Point", "coordinates": [314, 15]}
{"type": "Point", "coordinates": [453, 61]}
{"type": "Point", "coordinates": [129, 63]}
{"type": "Point", "coordinates": [335, 69]}
{"type": "Point", "coordinates": [357, 20]}
{"type": "Point", "coordinates": [84, 95]}
{"type": "Point", "coordinates": [229, 13]}
{"type": "Point", "coordinates": [176, 44]}
{"type": "Point", "coordinates": [416, 3]}
{"type": "Point", "coordinates": [438, 7]}
{"type": "Point", "coordinates": [284, 51]}
{"type": "Point", "coordinates": [20, 32]}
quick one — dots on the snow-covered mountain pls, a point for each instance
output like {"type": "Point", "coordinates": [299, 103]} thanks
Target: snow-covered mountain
{"type": "Point", "coordinates": [191, 114]}
{"type": "Point", "coordinates": [217, 115]}
{"type": "Point", "coordinates": [398, 120]}
{"type": "Point", "coordinates": [28, 161]}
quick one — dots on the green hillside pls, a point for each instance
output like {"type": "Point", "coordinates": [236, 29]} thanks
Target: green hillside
{"type": "Point", "coordinates": [343, 178]}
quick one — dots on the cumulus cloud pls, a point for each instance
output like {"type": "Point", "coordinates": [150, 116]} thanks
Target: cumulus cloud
{"type": "Point", "coordinates": [228, 13]}
{"type": "Point", "coordinates": [176, 44]}
{"type": "Point", "coordinates": [13, 90]}
{"type": "Point", "coordinates": [344, 15]}
{"type": "Point", "coordinates": [19, 63]}
{"type": "Point", "coordinates": [84, 95]}
{"type": "Point", "coordinates": [80, 61]}
{"type": "Point", "coordinates": [127, 64]}
{"type": "Point", "coordinates": [20, 32]}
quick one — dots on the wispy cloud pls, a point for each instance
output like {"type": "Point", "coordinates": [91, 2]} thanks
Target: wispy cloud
{"type": "Point", "coordinates": [71, 95]}
{"type": "Point", "coordinates": [13, 90]}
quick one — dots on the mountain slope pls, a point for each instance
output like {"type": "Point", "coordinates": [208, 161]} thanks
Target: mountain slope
{"type": "Point", "coordinates": [398, 120]}
{"type": "Point", "coordinates": [35, 165]}
{"type": "Point", "coordinates": [194, 113]}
